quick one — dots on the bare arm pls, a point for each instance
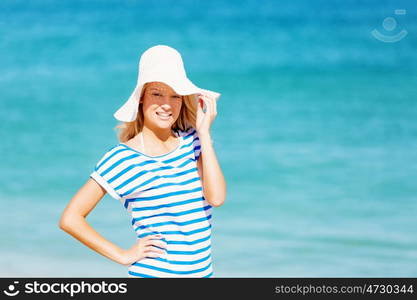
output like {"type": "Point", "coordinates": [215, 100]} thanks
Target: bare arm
{"type": "Point", "coordinates": [73, 221]}
{"type": "Point", "coordinates": [214, 184]}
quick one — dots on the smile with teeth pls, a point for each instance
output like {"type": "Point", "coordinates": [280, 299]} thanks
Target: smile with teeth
{"type": "Point", "coordinates": [163, 116]}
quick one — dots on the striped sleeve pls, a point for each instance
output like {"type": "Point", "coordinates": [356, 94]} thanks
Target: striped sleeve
{"type": "Point", "coordinates": [196, 145]}
{"type": "Point", "coordinates": [102, 176]}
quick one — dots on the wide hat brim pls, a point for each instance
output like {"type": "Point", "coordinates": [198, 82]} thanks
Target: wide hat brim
{"type": "Point", "coordinates": [128, 111]}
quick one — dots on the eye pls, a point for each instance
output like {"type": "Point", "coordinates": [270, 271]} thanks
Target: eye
{"type": "Point", "coordinates": [176, 97]}
{"type": "Point", "coordinates": [156, 94]}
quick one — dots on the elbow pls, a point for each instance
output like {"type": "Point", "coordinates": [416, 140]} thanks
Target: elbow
{"type": "Point", "coordinates": [221, 197]}
{"type": "Point", "coordinates": [217, 202]}
{"type": "Point", "coordinates": [70, 221]}
{"type": "Point", "coordinates": [64, 223]}
{"type": "Point", "coordinates": [217, 199]}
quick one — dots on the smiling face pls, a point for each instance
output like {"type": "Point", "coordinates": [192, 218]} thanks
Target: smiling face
{"type": "Point", "coordinates": [161, 105]}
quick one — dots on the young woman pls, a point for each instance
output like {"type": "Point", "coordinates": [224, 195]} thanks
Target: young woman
{"type": "Point", "coordinates": [164, 171]}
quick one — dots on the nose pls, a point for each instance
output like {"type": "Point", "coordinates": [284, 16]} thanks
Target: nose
{"type": "Point", "coordinates": [165, 105]}
{"type": "Point", "coordinates": [164, 100]}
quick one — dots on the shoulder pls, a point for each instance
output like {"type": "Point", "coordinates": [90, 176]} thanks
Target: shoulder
{"type": "Point", "coordinates": [109, 155]}
{"type": "Point", "coordinates": [188, 134]}
{"type": "Point", "coordinates": [191, 140]}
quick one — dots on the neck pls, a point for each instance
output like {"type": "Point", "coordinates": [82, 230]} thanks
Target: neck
{"type": "Point", "coordinates": [162, 134]}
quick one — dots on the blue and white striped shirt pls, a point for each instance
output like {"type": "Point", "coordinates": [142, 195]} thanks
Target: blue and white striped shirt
{"type": "Point", "coordinates": [164, 196]}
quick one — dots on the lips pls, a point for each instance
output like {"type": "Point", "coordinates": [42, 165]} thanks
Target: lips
{"type": "Point", "coordinates": [164, 116]}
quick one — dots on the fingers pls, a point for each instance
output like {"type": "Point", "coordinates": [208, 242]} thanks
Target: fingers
{"type": "Point", "coordinates": [214, 107]}
{"type": "Point", "coordinates": [160, 244]}
{"type": "Point", "coordinates": [156, 243]}
{"type": "Point", "coordinates": [210, 104]}
{"type": "Point", "coordinates": [152, 246]}
{"type": "Point", "coordinates": [203, 103]}
{"type": "Point", "coordinates": [200, 104]}
{"type": "Point", "coordinates": [154, 249]}
{"type": "Point", "coordinates": [152, 236]}
{"type": "Point", "coordinates": [153, 240]}
{"type": "Point", "coordinates": [152, 254]}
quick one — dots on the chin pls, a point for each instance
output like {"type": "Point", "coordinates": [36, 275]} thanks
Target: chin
{"type": "Point", "coordinates": [162, 124]}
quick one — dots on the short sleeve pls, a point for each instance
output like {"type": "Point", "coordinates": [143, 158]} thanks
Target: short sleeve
{"type": "Point", "coordinates": [196, 145]}
{"type": "Point", "coordinates": [102, 173]}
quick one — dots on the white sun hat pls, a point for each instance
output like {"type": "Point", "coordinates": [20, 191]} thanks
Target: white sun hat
{"type": "Point", "coordinates": [163, 64]}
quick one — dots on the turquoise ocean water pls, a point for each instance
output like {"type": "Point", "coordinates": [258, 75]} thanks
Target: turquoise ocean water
{"type": "Point", "coordinates": [316, 129]}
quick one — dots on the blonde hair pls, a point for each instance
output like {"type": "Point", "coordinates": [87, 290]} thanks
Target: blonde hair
{"type": "Point", "coordinates": [186, 118]}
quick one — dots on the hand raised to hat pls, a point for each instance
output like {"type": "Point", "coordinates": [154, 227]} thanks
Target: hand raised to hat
{"type": "Point", "coordinates": [205, 119]}
{"type": "Point", "coordinates": [209, 170]}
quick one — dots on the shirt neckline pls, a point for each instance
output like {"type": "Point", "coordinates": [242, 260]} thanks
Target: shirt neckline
{"type": "Point", "coordinates": [158, 156]}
